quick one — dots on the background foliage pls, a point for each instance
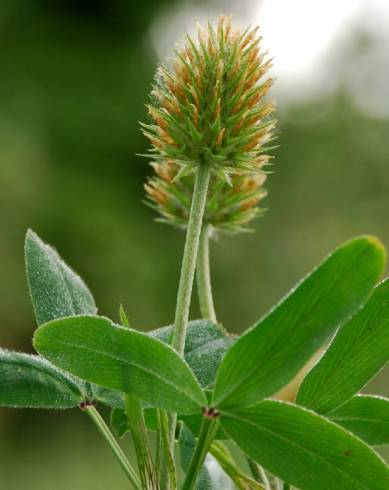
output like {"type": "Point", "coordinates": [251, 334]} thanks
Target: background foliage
{"type": "Point", "coordinates": [74, 80]}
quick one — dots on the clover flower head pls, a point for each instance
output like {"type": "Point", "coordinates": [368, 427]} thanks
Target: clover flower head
{"type": "Point", "coordinates": [210, 108]}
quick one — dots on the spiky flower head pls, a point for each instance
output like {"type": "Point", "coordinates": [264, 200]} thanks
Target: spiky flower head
{"type": "Point", "coordinates": [230, 206]}
{"type": "Point", "coordinates": [209, 108]}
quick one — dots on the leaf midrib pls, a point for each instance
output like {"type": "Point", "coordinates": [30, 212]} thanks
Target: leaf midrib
{"type": "Point", "coordinates": [334, 278]}
{"type": "Point", "coordinates": [309, 452]}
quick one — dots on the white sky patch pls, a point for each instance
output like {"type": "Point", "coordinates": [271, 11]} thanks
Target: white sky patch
{"type": "Point", "coordinates": [302, 37]}
{"type": "Point", "coordinates": [298, 32]}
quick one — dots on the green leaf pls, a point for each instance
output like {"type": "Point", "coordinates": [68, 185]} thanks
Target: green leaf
{"type": "Point", "coordinates": [32, 382]}
{"type": "Point", "coordinates": [205, 346]}
{"type": "Point", "coordinates": [305, 449]}
{"type": "Point", "coordinates": [119, 422]}
{"type": "Point", "coordinates": [56, 291]}
{"type": "Point", "coordinates": [111, 398]}
{"type": "Point", "coordinates": [271, 353]}
{"type": "Point", "coordinates": [187, 445]}
{"type": "Point", "coordinates": [193, 422]}
{"type": "Point", "coordinates": [98, 351]}
{"type": "Point", "coordinates": [359, 350]}
{"type": "Point", "coordinates": [366, 416]}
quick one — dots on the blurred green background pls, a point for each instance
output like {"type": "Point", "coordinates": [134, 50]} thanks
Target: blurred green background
{"type": "Point", "coordinates": [74, 78]}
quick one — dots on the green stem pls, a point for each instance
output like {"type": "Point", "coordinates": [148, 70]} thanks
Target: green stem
{"type": "Point", "coordinates": [203, 274]}
{"type": "Point", "coordinates": [117, 450]}
{"type": "Point", "coordinates": [207, 433]}
{"type": "Point", "coordinates": [188, 267]}
{"type": "Point", "coordinates": [138, 429]}
{"type": "Point", "coordinates": [159, 455]}
{"type": "Point", "coordinates": [168, 476]}
{"type": "Point", "coordinates": [259, 473]}
{"type": "Point", "coordinates": [254, 468]}
{"type": "Point", "coordinates": [227, 463]}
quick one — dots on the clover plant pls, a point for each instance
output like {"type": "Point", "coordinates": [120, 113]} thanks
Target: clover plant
{"type": "Point", "coordinates": [201, 391]}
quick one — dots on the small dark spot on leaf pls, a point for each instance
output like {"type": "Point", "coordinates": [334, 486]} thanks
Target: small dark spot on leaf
{"type": "Point", "coordinates": [347, 452]}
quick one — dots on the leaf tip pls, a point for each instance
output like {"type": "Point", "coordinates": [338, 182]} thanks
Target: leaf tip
{"type": "Point", "coordinates": [35, 339]}
{"type": "Point", "coordinates": [377, 243]}
{"type": "Point", "coordinates": [375, 249]}
{"type": "Point", "coordinates": [32, 242]}
{"type": "Point", "coordinates": [31, 236]}
{"type": "Point", "coordinates": [381, 251]}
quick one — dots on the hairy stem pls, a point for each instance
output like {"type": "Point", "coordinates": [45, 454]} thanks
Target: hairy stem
{"type": "Point", "coordinates": [117, 450]}
{"type": "Point", "coordinates": [138, 429]}
{"type": "Point", "coordinates": [203, 274]}
{"type": "Point", "coordinates": [188, 268]}
{"type": "Point", "coordinates": [190, 256]}
{"type": "Point", "coordinates": [167, 473]}
{"type": "Point", "coordinates": [207, 433]}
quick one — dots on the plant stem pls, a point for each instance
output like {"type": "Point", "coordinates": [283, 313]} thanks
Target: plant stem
{"type": "Point", "coordinates": [207, 433]}
{"type": "Point", "coordinates": [264, 478]}
{"type": "Point", "coordinates": [279, 484]}
{"type": "Point", "coordinates": [227, 463]}
{"type": "Point", "coordinates": [258, 473]}
{"type": "Point", "coordinates": [188, 267]}
{"type": "Point", "coordinates": [159, 455]}
{"type": "Point", "coordinates": [138, 429]}
{"type": "Point", "coordinates": [117, 450]}
{"type": "Point", "coordinates": [203, 274]}
{"type": "Point", "coordinates": [168, 476]}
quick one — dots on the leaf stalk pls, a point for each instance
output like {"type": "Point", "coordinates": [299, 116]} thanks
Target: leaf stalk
{"type": "Point", "coordinates": [138, 429]}
{"type": "Point", "coordinates": [117, 450]}
{"type": "Point", "coordinates": [203, 275]}
{"type": "Point", "coordinates": [197, 209]}
{"type": "Point", "coordinates": [188, 267]}
{"type": "Point", "coordinates": [207, 433]}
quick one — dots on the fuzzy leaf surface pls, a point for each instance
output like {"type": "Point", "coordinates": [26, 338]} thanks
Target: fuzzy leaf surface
{"type": "Point", "coordinates": [366, 416]}
{"type": "Point", "coordinates": [56, 291]}
{"type": "Point", "coordinates": [271, 353]}
{"type": "Point", "coordinates": [305, 449]}
{"type": "Point", "coordinates": [359, 350]}
{"type": "Point", "coordinates": [107, 396]}
{"type": "Point", "coordinates": [119, 422]}
{"type": "Point", "coordinates": [28, 381]}
{"type": "Point", "coordinates": [95, 349]}
{"type": "Point", "coordinates": [205, 346]}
